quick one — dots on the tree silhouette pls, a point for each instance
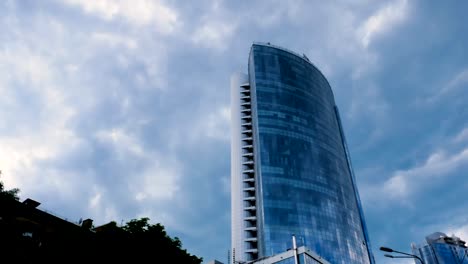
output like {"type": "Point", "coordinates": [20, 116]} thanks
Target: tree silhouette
{"type": "Point", "coordinates": [30, 235]}
{"type": "Point", "coordinates": [138, 240]}
{"type": "Point", "coordinates": [8, 194]}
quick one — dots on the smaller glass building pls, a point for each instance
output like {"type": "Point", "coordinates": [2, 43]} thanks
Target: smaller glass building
{"type": "Point", "coordinates": [441, 249]}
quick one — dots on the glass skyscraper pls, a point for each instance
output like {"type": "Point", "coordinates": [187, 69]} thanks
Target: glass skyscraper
{"type": "Point", "coordinates": [441, 249]}
{"type": "Point", "coordinates": [290, 168]}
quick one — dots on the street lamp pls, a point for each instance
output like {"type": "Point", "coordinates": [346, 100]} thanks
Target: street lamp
{"type": "Point", "coordinates": [386, 249]}
{"type": "Point", "coordinates": [391, 256]}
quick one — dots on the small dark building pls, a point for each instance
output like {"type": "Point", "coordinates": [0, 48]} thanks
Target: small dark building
{"type": "Point", "coordinates": [30, 235]}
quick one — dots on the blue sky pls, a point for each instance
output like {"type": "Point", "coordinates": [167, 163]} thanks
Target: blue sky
{"type": "Point", "coordinates": [114, 110]}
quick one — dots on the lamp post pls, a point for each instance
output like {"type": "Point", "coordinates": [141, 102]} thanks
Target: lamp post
{"type": "Point", "coordinates": [386, 249]}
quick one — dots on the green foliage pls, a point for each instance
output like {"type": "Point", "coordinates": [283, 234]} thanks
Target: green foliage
{"type": "Point", "coordinates": [139, 240]}
{"type": "Point", "coordinates": [137, 225]}
{"type": "Point", "coordinates": [8, 194]}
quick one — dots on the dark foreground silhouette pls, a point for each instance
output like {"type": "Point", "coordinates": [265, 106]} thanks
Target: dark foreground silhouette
{"type": "Point", "coordinates": [29, 235]}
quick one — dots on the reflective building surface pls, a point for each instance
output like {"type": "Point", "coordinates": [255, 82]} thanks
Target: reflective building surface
{"type": "Point", "coordinates": [299, 255]}
{"type": "Point", "coordinates": [441, 249]}
{"type": "Point", "coordinates": [290, 169]}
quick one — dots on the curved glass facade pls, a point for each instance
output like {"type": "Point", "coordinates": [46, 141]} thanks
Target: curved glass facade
{"type": "Point", "coordinates": [304, 182]}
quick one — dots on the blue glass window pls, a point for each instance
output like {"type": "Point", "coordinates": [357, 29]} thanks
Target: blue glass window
{"type": "Point", "coordinates": [306, 186]}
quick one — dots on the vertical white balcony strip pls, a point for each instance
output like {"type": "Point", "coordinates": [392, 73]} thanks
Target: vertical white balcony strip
{"type": "Point", "coordinates": [237, 214]}
{"type": "Point", "coordinates": [250, 242]}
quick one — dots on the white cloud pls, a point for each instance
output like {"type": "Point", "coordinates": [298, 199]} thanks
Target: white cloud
{"type": "Point", "coordinates": [210, 126]}
{"type": "Point", "coordinates": [113, 40]}
{"type": "Point", "coordinates": [123, 143]}
{"type": "Point", "coordinates": [462, 136]}
{"type": "Point", "coordinates": [276, 12]}
{"type": "Point", "coordinates": [214, 34]}
{"type": "Point", "coordinates": [158, 179]}
{"type": "Point", "coordinates": [367, 107]}
{"type": "Point", "coordinates": [459, 80]}
{"type": "Point", "coordinates": [216, 27]}
{"type": "Point", "coordinates": [396, 185]}
{"type": "Point", "coordinates": [138, 12]}
{"type": "Point", "coordinates": [49, 86]}
{"type": "Point", "coordinates": [101, 209]}
{"type": "Point", "coordinates": [74, 79]}
{"type": "Point", "coordinates": [383, 20]}
{"type": "Point", "coordinates": [95, 200]}
{"type": "Point", "coordinates": [159, 182]}
{"type": "Point", "coordinates": [459, 231]}
{"type": "Point", "coordinates": [31, 132]}
{"type": "Point", "coordinates": [439, 164]}
{"type": "Point", "coordinates": [216, 125]}
{"type": "Point", "coordinates": [367, 100]}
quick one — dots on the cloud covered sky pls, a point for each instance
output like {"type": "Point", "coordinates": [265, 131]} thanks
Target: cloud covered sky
{"type": "Point", "coordinates": [114, 110]}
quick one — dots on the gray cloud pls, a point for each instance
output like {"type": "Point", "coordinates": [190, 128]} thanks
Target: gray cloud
{"type": "Point", "coordinates": [114, 110]}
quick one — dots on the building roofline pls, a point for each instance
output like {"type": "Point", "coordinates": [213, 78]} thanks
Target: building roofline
{"type": "Point", "coordinates": [268, 44]}
{"type": "Point", "coordinates": [303, 57]}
